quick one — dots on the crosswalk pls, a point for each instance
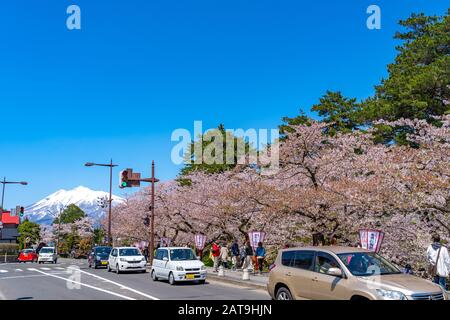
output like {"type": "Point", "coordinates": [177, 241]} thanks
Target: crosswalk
{"type": "Point", "coordinates": [34, 267]}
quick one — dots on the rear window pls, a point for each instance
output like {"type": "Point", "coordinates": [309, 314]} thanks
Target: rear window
{"type": "Point", "coordinates": [298, 259]}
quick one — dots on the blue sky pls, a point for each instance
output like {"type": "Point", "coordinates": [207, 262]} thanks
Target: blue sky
{"type": "Point", "coordinates": [139, 69]}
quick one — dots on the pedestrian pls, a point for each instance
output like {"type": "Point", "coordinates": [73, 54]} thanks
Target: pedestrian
{"type": "Point", "coordinates": [407, 269]}
{"type": "Point", "coordinates": [248, 255]}
{"type": "Point", "coordinates": [224, 255]}
{"type": "Point", "coordinates": [215, 252]}
{"type": "Point", "coordinates": [439, 261]}
{"type": "Point", "coordinates": [146, 253]}
{"type": "Point", "coordinates": [260, 256]}
{"type": "Point", "coordinates": [235, 256]}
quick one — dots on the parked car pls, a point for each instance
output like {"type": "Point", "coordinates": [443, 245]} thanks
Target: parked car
{"type": "Point", "coordinates": [47, 254]}
{"type": "Point", "coordinates": [344, 273]}
{"type": "Point", "coordinates": [177, 264]}
{"type": "Point", "coordinates": [126, 259]}
{"type": "Point", "coordinates": [27, 255]}
{"type": "Point", "coordinates": [99, 257]}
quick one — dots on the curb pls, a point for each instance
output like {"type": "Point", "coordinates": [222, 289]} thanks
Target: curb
{"type": "Point", "coordinates": [241, 283]}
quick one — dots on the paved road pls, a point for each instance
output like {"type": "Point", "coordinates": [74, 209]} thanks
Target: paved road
{"type": "Point", "coordinates": [73, 280]}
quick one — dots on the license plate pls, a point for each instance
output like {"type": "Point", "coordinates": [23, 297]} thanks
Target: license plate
{"type": "Point", "coordinates": [190, 276]}
{"type": "Point", "coordinates": [104, 262]}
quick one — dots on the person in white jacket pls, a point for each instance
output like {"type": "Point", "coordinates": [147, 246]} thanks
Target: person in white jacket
{"type": "Point", "coordinates": [443, 263]}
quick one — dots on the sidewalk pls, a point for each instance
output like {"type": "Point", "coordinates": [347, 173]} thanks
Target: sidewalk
{"type": "Point", "coordinates": [235, 277]}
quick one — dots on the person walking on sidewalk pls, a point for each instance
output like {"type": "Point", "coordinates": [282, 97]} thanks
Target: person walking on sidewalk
{"type": "Point", "coordinates": [439, 261]}
{"type": "Point", "coordinates": [248, 255]}
{"type": "Point", "coordinates": [215, 252]}
{"type": "Point", "coordinates": [235, 256]}
{"type": "Point", "coordinates": [224, 255]}
{"type": "Point", "coordinates": [260, 256]}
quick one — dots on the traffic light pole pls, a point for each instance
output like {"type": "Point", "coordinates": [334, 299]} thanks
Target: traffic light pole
{"type": "Point", "coordinates": [4, 182]}
{"type": "Point", "coordinates": [3, 191]}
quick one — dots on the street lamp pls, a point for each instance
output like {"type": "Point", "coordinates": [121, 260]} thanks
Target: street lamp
{"type": "Point", "coordinates": [4, 182]}
{"type": "Point", "coordinates": [111, 166]}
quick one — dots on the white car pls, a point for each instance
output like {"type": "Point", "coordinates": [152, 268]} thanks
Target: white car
{"type": "Point", "coordinates": [126, 259]}
{"type": "Point", "coordinates": [177, 264]}
{"type": "Point", "coordinates": [47, 254]}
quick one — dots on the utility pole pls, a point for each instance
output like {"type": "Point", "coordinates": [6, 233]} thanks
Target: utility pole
{"type": "Point", "coordinates": [4, 182]}
{"type": "Point", "coordinates": [152, 239]}
{"type": "Point", "coordinates": [111, 166]}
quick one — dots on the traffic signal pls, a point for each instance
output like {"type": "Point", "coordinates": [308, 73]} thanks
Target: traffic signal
{"type": "Point", "coordinates": [146, 221]}
{"type": "Point", "coordinates": [21, 212]}
{"type": "Point", "coordinates": [125, 178]}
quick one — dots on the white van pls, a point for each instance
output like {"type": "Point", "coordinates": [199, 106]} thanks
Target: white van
{"type": "Point", "coordinates": [47, 254]}
{"type": "Point", "coordinates": [177, 264]}
{"type": "Point", "coordinates": [126, 259]}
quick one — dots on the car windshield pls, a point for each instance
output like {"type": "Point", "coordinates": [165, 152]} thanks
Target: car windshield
{"type": "Point", "coordinates": [182, 255]}
{"type": "Point", "coordinates": [28, 251]}
{"type": "Point", "coordinates": [367, 264]}
{"type": "Point", "coordinates": [102, 251]}
{"type": "Point", "coordinates": [46, 250]}
{"type": "Point", "coordinates": [129, 252]}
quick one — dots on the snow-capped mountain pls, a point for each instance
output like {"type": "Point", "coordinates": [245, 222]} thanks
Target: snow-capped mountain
{"type": "Point", "coordinates": [46, 210]}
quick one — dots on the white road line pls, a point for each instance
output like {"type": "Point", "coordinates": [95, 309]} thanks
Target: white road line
{"type": "Point", "coordinates": [46, 269]}
{"type": "Point", "coordinates": [3, 271]}
{"type": "Point", "coordinates": [19, 270]}
{"type": "Point", "coordinates": [85, 285]}
{"type": "Point", "coordinates": [59, 268]}
{"type": "Point", "coordinates": [118, 284]}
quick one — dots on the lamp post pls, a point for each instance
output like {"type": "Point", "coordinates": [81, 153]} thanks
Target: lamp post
{"type": "Point", "coordinates": [111, 166]}
{"type": "Point", "coordinates": [4, 182]}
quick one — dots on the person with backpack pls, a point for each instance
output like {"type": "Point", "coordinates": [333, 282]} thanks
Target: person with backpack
{"type": "Point", "coordinates": [235, 256]}
{"type": "Point", "coordinates": [260, 253]}
{"type": "Point", "coordinates": [215, 253]}
{"type": "Point", "coordinates": [439, 262]}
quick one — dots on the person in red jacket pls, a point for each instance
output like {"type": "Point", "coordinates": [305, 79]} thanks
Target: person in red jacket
{"type": "Point", "coordinates": [215, 254]}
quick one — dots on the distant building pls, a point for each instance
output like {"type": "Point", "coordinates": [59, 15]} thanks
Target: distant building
{"type": "Point", "coordinates": [9, 232]}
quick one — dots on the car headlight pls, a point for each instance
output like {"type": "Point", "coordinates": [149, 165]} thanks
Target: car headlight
{"type": "Point", "coordinates": [391, 295]}
{"type": "Point", "coordinates": [98, 258]}
{"type": "Point", "coordinates": [143, 259]}
{"type": "Point", "coordinates": [203, 268]}
{"type": "Point", "coordinates": [179, 268]}
{"type": "Point", "coordinates": [123, 259]}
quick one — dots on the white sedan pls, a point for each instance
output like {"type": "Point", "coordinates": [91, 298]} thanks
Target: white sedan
{"type": "Point", "coordinates": [177, 264]}
{"type": "Point", "coordinates": [126, 259]}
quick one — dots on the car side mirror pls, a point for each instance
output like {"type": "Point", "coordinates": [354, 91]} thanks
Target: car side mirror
{"type": "Point", "coordinates": [165, 259]}
{"type": "Point", "coordinates": [335, 272]}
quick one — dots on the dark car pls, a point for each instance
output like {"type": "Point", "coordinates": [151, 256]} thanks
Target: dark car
{"type": "Point", "coordinates": [99, 257]}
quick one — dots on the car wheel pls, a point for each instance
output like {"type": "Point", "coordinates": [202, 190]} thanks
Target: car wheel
{"type": "Point", "coordinates": [95, 266]}
{"type": "Point", "coordinates": [154, 277]}
{"type": "Point", "coordinates": [109, 269]}
{"type": "Point", "coordinates": [201, 281]}
{"type": "Point", "coordinates": [284, 294]}
{"type": "Point", "coordinates": [171, 279]}
{"type": "Point", "coordinates": [117, 269]}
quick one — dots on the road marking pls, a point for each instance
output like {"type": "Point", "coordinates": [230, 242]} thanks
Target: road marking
{"type": "Point", "coordinates": [3, 271]}
{"type": "Point", "coordinates": [84, 284]}
{"type": "Point", "coordinates": [59, 268]}
{"type": "Point", "coordinates": [46, 269]}
{"type": "Point", "coordinates": [118, 284]}
{"type": "Point", "coordinates": [19, 270]}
